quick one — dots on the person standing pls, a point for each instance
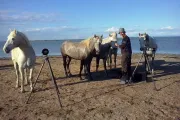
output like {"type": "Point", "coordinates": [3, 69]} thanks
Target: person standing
{"type": "Point", "coordinates": [126, 52]}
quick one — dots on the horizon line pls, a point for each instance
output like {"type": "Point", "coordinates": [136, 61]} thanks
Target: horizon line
{"type": "Point", "coordinates": [85, 38]}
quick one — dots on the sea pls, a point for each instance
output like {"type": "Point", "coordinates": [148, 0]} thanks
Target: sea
{"type": "Point", "coordinates": [166, 45]}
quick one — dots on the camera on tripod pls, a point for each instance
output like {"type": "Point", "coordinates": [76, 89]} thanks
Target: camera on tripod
{"type": "Point", "coordinates": [45, 51]}
{"type": "Point", "coordinates": [147, 44]}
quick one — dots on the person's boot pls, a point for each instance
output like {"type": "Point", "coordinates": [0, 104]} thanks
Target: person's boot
{"type": "Point", "coordinates": [122, 80]}
{"type": "Point", "coordinates": [126, 77]}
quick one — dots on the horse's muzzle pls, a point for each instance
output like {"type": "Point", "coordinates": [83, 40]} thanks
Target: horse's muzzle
{"type": "Point", "coordinates": [6, 50]}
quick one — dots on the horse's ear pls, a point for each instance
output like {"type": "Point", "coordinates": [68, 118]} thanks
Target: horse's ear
{"type": "Point", "coordinates": [10, 30]}
{"type": "Point", "coordinates": [139, 34]}
{"type": "Point", "coordinates": [101, 36]}
{"type": "Point", "coordinates": [94, 35]}
{"type": "Point", "coordinates": [15, 31]}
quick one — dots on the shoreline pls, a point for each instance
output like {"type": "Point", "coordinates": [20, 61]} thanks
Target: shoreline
{"type": "Point", "coordinates": [134, 54]}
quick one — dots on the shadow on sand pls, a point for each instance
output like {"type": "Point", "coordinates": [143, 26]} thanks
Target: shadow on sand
{"type": "Point", "coordinates": [168, 68]}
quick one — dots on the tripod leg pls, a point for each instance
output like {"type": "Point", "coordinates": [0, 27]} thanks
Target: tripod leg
{"type": "Point", "coordinates": [130, 80]}
{"type": "Point", "coordinates": [35, 82]}
{"type": "Point", "coordinates": [54, 81]}
{"type": "Point", "coordinates": [147, 63]}
{"type": "Point", "coordinates": [153, 63]}
{"type": "Point", "coordinates": [152, 74]}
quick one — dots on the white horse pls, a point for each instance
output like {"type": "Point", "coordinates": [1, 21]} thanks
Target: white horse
{"type": "Point", "coordinates": [112, 37]}
{"type": "Point", "coordinates": [149, 44]}
{"type": "Point", "coordinates": [23, 56]}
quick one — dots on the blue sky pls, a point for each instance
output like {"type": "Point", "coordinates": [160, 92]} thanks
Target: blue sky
{"type": "Point", "coordinates": [74, 19]}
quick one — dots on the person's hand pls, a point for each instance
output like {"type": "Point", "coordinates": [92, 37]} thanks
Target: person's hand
{"type": "Point", "coordinates": [116, 45]}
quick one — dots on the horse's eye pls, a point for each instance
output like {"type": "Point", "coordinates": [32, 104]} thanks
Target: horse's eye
{"type": "Point", "coordinates": [13, 39]}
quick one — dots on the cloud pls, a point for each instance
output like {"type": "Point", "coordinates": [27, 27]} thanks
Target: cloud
{"type": "Point", "coordinates": [167, 28]}
{"type": "Point", "coordinates": [52, 29]}
{"type": "Point", "coordinates": [112, 29]}
{"type": "Point", "coordinates": [59, 32]}
{"type": "Point", "coordinates": [13, 16]}
{"type": "Point", "coordinates": [163, 31]}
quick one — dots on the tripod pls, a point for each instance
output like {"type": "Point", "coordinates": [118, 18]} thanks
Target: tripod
{"type": "Point", "coordinates": [147, 65]}
{"type": "Point", "coordinates": [46, 59]}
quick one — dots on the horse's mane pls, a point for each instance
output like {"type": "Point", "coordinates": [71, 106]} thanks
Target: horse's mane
{"type": "Point", "coordinates": [86, 41]}
{"type": "Point", "coordinates": [24, 37]}
{"type": "Point", "coordinates": [106, 40]}
{"type": "Point", "coordinates": [147, 37]}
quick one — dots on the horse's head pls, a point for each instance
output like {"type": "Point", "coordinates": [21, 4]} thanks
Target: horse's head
{"type": "Point", "coordinates": [113, 38]}
{"type": "Point", "coordinates": [13, 40]}
{"type": "Point", "coordinates": [97, 43]}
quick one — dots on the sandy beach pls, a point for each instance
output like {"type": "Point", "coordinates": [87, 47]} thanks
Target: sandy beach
{"type": "Point", "coordinates": [100, 99]}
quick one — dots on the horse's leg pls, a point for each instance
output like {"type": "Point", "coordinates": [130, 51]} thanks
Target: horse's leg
{"type": "Point", "coordinates": [110, 57]}
{"type": "Point", "coordinates": [17, 74]}
{"type": "Point", "coordinates": [69, 73]}
{"type": "Point", "coordinates": [25, 75]}
{"type": "Point", "coordinates": [85, 70]}
{"type": "Point", "coordinates": [107, 60]}
{"type": "Point", "coordinates": [88, 66]}
{"type": "Point", "coordinates": [115, 56]}
{"type": "Point", "coordinates": [64, 64]}
{"type": "Point", "coordinates": [104, 61]}
{"type": "Point", "coordinates": [21, 70]}
{"type": "Point", "coordinates": [88, 71]}
{"type": "Point", "coordinates": [97, 63]}
{"type": "Point", "coordinates": [81, 67]}
{"type": "Point", "coordinates": [30, 77]}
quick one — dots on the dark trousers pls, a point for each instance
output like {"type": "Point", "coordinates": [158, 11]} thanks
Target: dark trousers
{"type": "Point", "coordinates": [126, 64]}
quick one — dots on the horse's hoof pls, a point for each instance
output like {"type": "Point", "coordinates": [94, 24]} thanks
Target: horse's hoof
{"type": "Point", "coordinates": [70, 75]}
{"type": "Point", "coordinates": [25, 83]}
{"type": "Point", "coordinates": [66, 75]}
{"type": "Point", "coordinates": [31, 90]}
{"type": "Point", "coordinates": [22, 91]}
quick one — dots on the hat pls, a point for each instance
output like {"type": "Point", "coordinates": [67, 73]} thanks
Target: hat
{"type": "Point", "coordinates": [122, 30]}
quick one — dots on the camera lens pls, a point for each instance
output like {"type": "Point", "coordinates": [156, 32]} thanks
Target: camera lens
{"type": "Point", "coordinates": [45, 51]}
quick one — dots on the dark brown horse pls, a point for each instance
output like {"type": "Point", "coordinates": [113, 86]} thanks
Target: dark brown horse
{"type": "Point", "coordinates": [108, 44]}
{"type": "Point", "coordinates": [80, 51]}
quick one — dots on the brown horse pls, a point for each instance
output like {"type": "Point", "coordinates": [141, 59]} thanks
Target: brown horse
{"type": "Point", "coordinates": [80, 51]}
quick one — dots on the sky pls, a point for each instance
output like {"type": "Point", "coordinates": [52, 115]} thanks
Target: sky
{"type": "Point", "coordinates": [79, 19]}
